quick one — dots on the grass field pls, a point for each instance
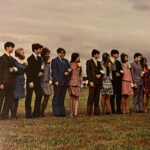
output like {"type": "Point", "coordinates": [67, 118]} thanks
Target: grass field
{"type": "Point", "coordinates": [113, 132]}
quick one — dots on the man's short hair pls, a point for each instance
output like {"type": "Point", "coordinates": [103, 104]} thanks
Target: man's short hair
{"type": "Point", "coordinates": [9, 44]}
{"type": "Point", "coordinates": [137, 55]}
{"type": "Point", "coordinates": [61, 50]}
{"type": "Point", "coordinates": [94, 52]}
{"type": "Point", "coordinates": [114, 51]}
{"type": "Point", "coordinates": [36, 46]}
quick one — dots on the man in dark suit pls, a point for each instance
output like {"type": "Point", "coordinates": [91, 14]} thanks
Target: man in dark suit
{"type": "Point", "coordinates": [60, 75]}
{"type": "Point", "coordinates": [7, 70]}
{"type": "Point", "coordinates": [34, 73]}
{"type": "Point", "coordinates": [137, 76]}
{"type": "Point", "coordinates": [93, 68]}
{"type": "Point", "coordinates": [117, 81]}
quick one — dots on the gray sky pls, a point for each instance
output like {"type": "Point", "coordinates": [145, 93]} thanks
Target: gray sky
{"type": "Point", "coordinates": [77, 25]}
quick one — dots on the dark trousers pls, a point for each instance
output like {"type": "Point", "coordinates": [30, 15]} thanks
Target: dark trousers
{"type": "Point", "coordinates": [118, 102]}
{"type": "Point", "coordinates": [6, 97]}
{"type": "Point", "coordinates": [58, 101]}
{"type": "Point", "coordinates": [14, 107]}
{"type": "Point", "coordinates": [37, 104]}
{"type": "Point", "coordinates": [138, 98]}
{"type": "Point", "coordinates": [93, 98]}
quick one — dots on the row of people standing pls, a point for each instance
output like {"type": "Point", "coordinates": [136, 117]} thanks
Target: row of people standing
{"type": "Point", "coordinates": [117, 81]}
{"type": "Point", "coordinates": [37, 69]}
{"type": "Point", "coordinates": [12, 80]}
{"type": "Point", "coordinates": [114, 79]}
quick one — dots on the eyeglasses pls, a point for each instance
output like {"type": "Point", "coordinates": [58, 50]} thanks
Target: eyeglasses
{"type": "Point", "coordinates": [63, 53]}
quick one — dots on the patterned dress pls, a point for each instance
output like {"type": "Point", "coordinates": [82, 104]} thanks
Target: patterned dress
{"type": "Point", "coordinates": [75, 81]}
{"type": "Point", "coordinates": [45, 79]}
{"type": "Point", "coordinates": [146, 80]}
{"type": "Point", "coordinates": [107, 87]}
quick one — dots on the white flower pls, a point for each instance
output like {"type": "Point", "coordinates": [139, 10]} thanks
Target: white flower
{"type": "Point", "coordinates": [49, 60]}
{"type": "Point", "coordinates": [86, 82]}
{"type": "Point", "coordinates": [121, 71]}
{"type": "Point", "coordinates": [42, 67]}
{"type": "Point", "coordinates": [129, 66]}
{"type": "Point", "coordinates": [132, 85]}
{"type": "Point", "coordinates": [69, 70]}
{"type": "Point", "coordinates": [102, 71]}
{"type": "Point", "coordinates": [79, 64]}
{"type": "Point", "coordinates": [50, 82]}
{"type": "Point", "coordinates": [112, 60]}
{"type": "Point", "coordinates": [143, 72]}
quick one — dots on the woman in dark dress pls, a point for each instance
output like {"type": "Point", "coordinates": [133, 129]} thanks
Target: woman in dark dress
{"type": "Point", "coordinates": [45, 79]}
{"type": "Point", "coordinates": [19, 80]}
{"type": "Point", "coordinates": [146, 83]}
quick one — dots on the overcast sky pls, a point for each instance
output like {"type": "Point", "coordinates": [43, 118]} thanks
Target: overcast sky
{"type": "Point", "coordinates": [77, 25]}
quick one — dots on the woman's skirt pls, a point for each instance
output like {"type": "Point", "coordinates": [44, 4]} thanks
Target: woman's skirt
{"type": "Point", "coordinates": [107, 87]}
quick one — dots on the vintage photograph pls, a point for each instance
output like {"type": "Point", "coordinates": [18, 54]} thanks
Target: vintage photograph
{"type": "Point", "coordinates": [74, 75]}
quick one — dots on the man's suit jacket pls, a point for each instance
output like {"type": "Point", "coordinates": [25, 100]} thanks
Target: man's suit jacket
{"type": "Point", "coordinates": [58, 69]}
{"type": "Point", "coordinates": [92, 70]}
{"type": "Point", "coordinates": [117, 81]}
{"type": "Point", "coordinates": [136, 70]}
{"type": "Point", "coordinates": [6, 77]}
{"type": "Point", "coordinates": [34, 67]}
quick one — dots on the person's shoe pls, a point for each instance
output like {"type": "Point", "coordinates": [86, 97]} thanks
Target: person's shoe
{"type": "Point", "coordinates": [14, 117]}
{"type": "Point", "coordinates": [142, 111]}
{"type": "Point", "coordinates": [71, 115]}
{"type": "Point", "coordinates": [107, 113]}
{"type": "Point", "coordinates": [76, 116]}
{"type": "Point", "coordinates": [29, 116]}
{"type": "Point", "coordinates": [42, 115]}
{"type": "Point", "coordinates": [4, 118]}
{"type": "Point", "coordinates": [35, 115]}
{"type": "Point", "coordinates": [62, 116]}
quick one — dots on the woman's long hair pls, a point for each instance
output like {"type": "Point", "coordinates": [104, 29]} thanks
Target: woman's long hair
{"type": "Point", "coordinates": [44, 51]}
{"type": "Point", "coordinates": [142, 61]}
{"type": "Point", "coordinates": [74, 57]}
{"type": "Point", "coordinates": [123, 57]}
{"type": "Point", "coordinates": [106, 60]}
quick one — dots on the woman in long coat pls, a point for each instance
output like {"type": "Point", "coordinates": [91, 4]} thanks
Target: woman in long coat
{"type": "Point", "coordinates": [19, 80]}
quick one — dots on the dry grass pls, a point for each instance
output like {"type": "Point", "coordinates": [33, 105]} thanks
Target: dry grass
{"type": "Point", "coordinates": [113, 132]}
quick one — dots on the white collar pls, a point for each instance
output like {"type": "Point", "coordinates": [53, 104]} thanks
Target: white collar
{"type": "Point", "coordinates": [7, 54]}
{"type": "Point", "coordinates": [35, 55]}
{"type": "Point", "coordinates": [94, 59]}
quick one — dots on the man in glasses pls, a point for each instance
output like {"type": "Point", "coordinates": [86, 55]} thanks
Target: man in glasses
{"type": "Point", "coordinates": [60, 75]}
